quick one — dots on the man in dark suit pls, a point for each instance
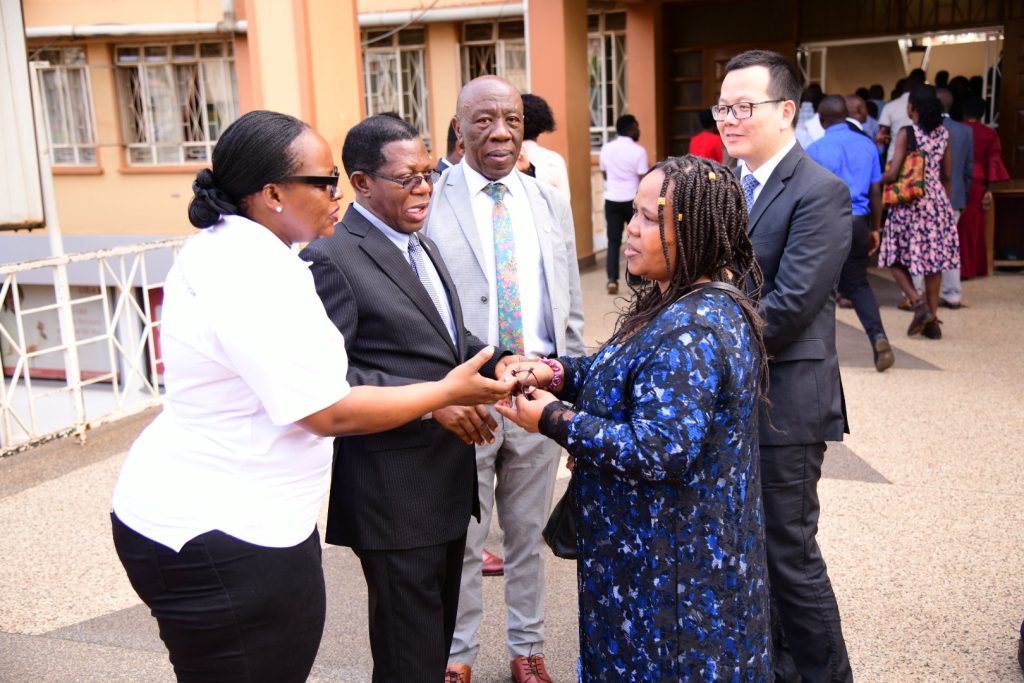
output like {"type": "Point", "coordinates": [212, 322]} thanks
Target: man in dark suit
{"type": "Point", "coordinates": [402, 500]}
{"type": "Point", "coordinates": [800, 228]}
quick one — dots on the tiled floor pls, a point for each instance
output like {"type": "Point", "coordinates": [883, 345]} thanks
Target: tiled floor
{"type": "Point", "coordinates": [922, 524]}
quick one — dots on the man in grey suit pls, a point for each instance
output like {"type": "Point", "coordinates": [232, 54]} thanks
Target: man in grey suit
{"type": "Point", "coordinates": [801, 228]}
{"type": "Point", "coordinates": [485, 215]}
{"type": "Point", "coordinates": [961, 140]}
{"type": "Point", "coordinates": [401, 499]}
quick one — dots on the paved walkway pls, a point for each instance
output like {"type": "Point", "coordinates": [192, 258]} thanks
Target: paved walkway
{"type": "Point", "coordinates": [922, 525]}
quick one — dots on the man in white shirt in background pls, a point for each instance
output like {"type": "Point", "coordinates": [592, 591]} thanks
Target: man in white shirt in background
{"type": "Point", "coordinates": [623, 164]}
{"type": "Point", "coordinates": [894, 115]}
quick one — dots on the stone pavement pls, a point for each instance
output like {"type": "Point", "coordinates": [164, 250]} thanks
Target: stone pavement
{"type": "Point", "coordinates": [922, 524]}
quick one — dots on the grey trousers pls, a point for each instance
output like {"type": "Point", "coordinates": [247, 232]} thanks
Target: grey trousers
{"type": "Point", "coordinates": [516, 473]}
{"type": "Point", "coordinates": [951, 290]}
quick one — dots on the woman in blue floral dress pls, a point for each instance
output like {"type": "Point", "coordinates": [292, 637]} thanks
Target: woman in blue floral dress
{"type": "Point", "coordinates": [920, 238]}
{"type": "Point", "coordinates": [661, 430]}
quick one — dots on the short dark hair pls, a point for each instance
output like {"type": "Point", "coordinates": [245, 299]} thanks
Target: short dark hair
{"type": "Point", "coordinates": [707, 120]}
{"type": "Point", "coordinates": [252, 152]}
{"type": "Point", "coordinates": [453, 137]}
{"type": "Point", "coordinates": [363, 149]}
{"type": "Point", "coordinates": [975, 107]}
{"type": "Point", "coordinates": [783, 80]}
{"type": "Point", "coordinates": [915, 78]}
{"type": "Point", "coordinates": [537, 117]}
{"type": "Point", "coordinates": [626, 123]}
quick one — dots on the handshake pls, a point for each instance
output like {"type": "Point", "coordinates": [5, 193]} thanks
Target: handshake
{"type": "Point", "coordinates": [518, 392]}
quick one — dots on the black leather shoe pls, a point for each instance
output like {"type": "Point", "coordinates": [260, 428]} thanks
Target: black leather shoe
{"type": "Point", "coordinates": [884, 357]}
{"type": "Point", "coordinates": [922, 316]}
{"type": "Point", "coordinates": [932, 329]}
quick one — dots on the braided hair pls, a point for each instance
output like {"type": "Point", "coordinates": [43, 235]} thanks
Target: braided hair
{"type": "Point", "coordinates": [711, 240]}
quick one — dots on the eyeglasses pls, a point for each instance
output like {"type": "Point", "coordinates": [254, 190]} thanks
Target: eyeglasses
{"type": "Point", "coordinates": [740, 110]}
{"type": "Point", "coordinates": [328, 183]}
{"type": "Point", "coordinates": [408, 182]}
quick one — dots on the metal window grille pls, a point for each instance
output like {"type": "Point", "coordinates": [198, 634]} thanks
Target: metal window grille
{"type": "Point", "coordinates": [67, 102]}
{"type": "Point", "coordinates": [176, 99]}
{"type": "Point", "coordinates": [395, 77]}
{"type": "Point", "coordinates": [495, 48]}
{"type": "Point", "coordinates": [606, 55]}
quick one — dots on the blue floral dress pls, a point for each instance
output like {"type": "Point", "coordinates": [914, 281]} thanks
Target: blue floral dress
{"type": "Point", "coordinates": [672, 575]}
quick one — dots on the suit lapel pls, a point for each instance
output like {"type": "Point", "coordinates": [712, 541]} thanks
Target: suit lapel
{"type": "Point", "coordinates": [389, 259]}
{"type": "Point", "coordinates": [453, 301]}
{"type": "Point", "coordinates": [775, 185]}
{"type": "Point", "coordinates": [461, 206]}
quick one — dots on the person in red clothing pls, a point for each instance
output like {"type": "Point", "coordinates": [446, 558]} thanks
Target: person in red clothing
{"type": "Point", "coordinates": [707, 143]}
{"type": "Point", "coordinates": [988, 169]}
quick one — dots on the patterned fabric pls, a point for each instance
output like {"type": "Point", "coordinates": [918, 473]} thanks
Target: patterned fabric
{"type": "Point", "coordinates": [922, 235]}
{"type": "Point", "coordinates": [672, 574]}
{"type": "Point", "coordinates": [420, 267]}
{"type": "Point", "coordinates": [510, 310]}
{"type": "Point", "coordinates": [750, 184]}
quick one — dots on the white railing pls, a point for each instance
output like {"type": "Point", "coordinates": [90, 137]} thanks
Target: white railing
{"type": "Point", "coordinates": [77, 356]}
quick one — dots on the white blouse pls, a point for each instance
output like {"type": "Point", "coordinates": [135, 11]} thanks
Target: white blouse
{"type": "Point", "coordinates": [248, 350]}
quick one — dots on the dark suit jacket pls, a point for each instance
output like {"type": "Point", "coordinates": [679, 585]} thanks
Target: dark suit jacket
{"type": "Point", "coordinates": [800, 227]}
{"type": "Point", "coordinates": [416, 485]}
{"type": "Point", "coordinates": [961, 138]}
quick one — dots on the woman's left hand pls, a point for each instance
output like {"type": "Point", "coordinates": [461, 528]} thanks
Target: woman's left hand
{"type": "Point", "coordinates": [525, 411]}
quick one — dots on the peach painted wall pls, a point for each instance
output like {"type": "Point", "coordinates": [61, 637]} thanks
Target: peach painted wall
{"type": "Point", "coordinates": [414, 5]}
{"type": "Point", "coordinates": [444, 81]}
{"type": "Point", "coordinates": [63, 12]}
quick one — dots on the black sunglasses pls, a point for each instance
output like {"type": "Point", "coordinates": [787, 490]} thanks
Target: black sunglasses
{"type": "Point", "coordinates": [329, 183]}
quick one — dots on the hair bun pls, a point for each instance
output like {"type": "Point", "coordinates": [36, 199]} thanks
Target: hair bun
{"type": "Point", "coordinates": [209, 202]}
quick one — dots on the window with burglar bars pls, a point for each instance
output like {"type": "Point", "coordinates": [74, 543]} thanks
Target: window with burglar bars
{"type": "Point", "coordinates": [495, 47]}
{"type": "Point", "coordinates": [67, 103]}
{"type": "Point", "coordinates": [395, 77]}
{"type": "Point", "coordinates": [606, 55]}
{"type": "Point", "coordinates": [176, 99]}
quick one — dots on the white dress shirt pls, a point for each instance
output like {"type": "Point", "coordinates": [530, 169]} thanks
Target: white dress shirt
{"type": "Point", "coordinates": [549, 166]}
{"type": "Point", "coordinates": [895, 116]}
{"type": "Point", "coordinates": [248, 351]}
{"type": "Point", "coordinates": [765, 170]}
{"type": "Point", "coordinates": [538, 338]}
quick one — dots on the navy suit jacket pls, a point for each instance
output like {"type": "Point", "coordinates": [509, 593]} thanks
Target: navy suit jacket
{"type": "Point", "coordinates": [801, 228]}
{"type": "Point", "coordinates": [415, 485]}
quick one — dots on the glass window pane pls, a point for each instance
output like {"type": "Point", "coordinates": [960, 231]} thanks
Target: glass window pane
{"type": "Point", "coordinates": [615, 21]}
{"type": "Point", "coordinates": [183, 53]}
{"type": "Point", "coordinates": [514, 65]}
{"type": "Point", "coordinates": [511, 30]}
{"type": "Point", "coordinates": [140, 155]}
{"type": "Point", "coordinates": [79, 108]}
{"type": "Point", "coordinates": [687, 65]}
{"type": "Point", "coordinates": [211, 50]}
{"type": "Point", "coordinates": [593, 22]}
{"type": "Point", "coordinates": [685, 123]}
{"type": "Point", "coordinates": [155, 53]}
{"type": "Point", "coordinates": [51, 56]}
{"type": "Point", "coordinates": [168, 154]}
{"type": "Point", "coordinates": [478, 32]}
{"type": "Point", "coordinates": [164, 109]}
{"type": "Point", "coordinates": [87, 155]}
{"type": "Point", "coordinates": [412, 36]}
{"type": "Point", "coordinates": [53, 102]}
{"type": "Point", "coordinates": [127, 55]}
{"type": "Point", "coordinates": [377, 39]}
{"type": "Point", "coordinates": [74, 55]}
{"type": "Point", "coordinates": [220, 97]}
{"type": "Point", "coordinates": [687, 94]}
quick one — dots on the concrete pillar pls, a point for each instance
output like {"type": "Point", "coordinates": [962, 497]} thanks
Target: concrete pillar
{"type": "Point", "coordinates": [557, 32]}
{"type": "Point", "coordinates": [302, 57]}
{"type": "Point", "coordinates": [644, 74]}
{"type": "Point", "coordinates": [445, 81]}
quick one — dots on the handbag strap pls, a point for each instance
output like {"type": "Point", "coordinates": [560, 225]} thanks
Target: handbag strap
{"type": "Point", "coordinates": [723, 286]}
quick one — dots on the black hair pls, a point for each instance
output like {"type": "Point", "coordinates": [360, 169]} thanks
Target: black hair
{"type": "Point", "coordinates": [253, 151]}
{"type": "Point", "coordinates": [915, 78]}
{"type": "Point", "coordinates": [975, 107]}
{"type": "Point", "coordinates": [783, 79]}
{"type": "Point", "coordinates": [537, 117]}
{"type": "Point", "coordinates": [928, 107]}
{"type": "Point", "coordinates": [863, 93]}
{"type": "Point", "coordinates": [625, 124]}
{"type": "Point", "coordinates": [363, 149]}
{"type": "Point", "coordinates": [872, 108]}
{"type": "Point", "coordinates": [877, 91]}
{"type": "Point", "coordinates": [711, 239]}
{"type": "Point", "coordinates": [453, 137]}
{"type": "Point", "coordinates": [707, 119]}
{"type": "Point", "coordinates": [941, 79]}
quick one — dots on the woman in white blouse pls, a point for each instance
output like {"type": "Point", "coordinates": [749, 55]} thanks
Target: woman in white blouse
{"type": "Point", "coordinates": [214, 514]}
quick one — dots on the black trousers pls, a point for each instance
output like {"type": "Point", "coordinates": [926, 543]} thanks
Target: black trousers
{"type": "Point", "coordinates": [230, 611]}
{"type": "Point", "coordinates": [802, 597]}
{"type": "Point", "coordinates": [616, 216]}
{"type": "Point", "coordinates": [414, 599]}
{"type": "Point", "coordinates": [853, 280]}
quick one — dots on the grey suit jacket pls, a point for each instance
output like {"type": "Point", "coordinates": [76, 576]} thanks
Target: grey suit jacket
{"type": "Point", "coordinates": [452, 226]}
{"type": "Point", "coordinates": [414, 485]}
{"type": "Point", "coordinates": [801, 228]}
{"type": "Point", "coordinates": [961, 137]}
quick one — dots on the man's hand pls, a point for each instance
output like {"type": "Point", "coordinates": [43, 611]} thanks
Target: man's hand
{"type": "Point", "coordinates": [876, 241]}
{"type": "Point", "coordinates": [526, 411]}
{"type": "Point", "coordinates": [472, 424]}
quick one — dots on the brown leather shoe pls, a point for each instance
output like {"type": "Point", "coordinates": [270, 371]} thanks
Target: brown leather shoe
{"type": "Point", "coordinates": [493, 565]}
{"type": "Point", "coordinates": [529, 670]}
{"type": "Point", "coordinates": [457, 673]}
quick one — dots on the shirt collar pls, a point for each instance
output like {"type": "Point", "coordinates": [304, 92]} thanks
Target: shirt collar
{"type": "Point", "coordinates": [854, 122]}
{"type": "Point", "coordinates": [400, 239]}
{"type": "Point", "coordinates": [765, 171]}
{"type": "Point", "coordinates": [477, 182]}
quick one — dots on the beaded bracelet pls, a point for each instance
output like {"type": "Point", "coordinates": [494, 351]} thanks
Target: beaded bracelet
{"type": "Point", "coordinates": [556, 371]}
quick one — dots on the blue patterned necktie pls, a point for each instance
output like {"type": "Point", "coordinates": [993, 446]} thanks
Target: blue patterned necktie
{"type": "Point", "coordinates": [419, 266]}
{"type": "Point", "coordinates": [510, 309]}
{"type": "Point", "coordinates": [749, 185]}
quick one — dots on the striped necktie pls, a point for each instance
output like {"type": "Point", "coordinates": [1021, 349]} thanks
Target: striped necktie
{"type": "Point", "coordinates": [510, 310]}
{"type": "Point", "coordinates": [750, 184]}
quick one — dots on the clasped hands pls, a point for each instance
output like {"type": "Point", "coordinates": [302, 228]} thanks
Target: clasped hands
{"type": "Point", "coordinates": [522, 400]}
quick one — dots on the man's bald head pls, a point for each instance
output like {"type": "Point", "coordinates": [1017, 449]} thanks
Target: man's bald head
{"type": "Point", "coordinates": [832, 110]}
{"type": "Point", "coordinates": [857, 108]}
{"type": "Point", "coordinates": [946, 97]}
{"type": "Point", "coordinates": [489, 122]}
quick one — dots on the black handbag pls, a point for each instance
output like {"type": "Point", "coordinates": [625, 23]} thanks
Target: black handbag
{"type": "Point", "coordinates": [560, 531]}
